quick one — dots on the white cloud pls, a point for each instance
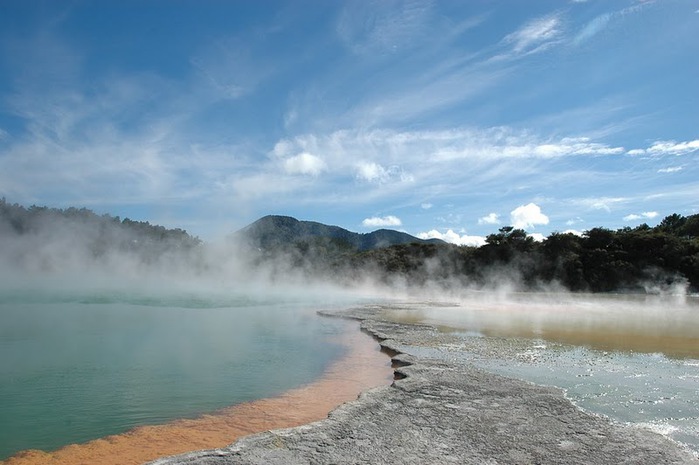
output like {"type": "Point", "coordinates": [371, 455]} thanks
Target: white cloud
{"type": "Point", "coordinates": [426, 206]}
{"type": "Point", "coordinates": [535, 35]}
{"type": "Point", "coordinates": [671, 169]}
{"type": "Point", "coordinates": [527, 216]}
{"type": "Point", "coordinates": [372, 172]}
{"type": "Point", "coordinates": [376, 221]}
{"type": "Point", "coordinates": [668, 147]}
{"type": "Point", "coordinates": [491, 218]}
{"type": "Point", "coordinates": [574, 221]}
{"type": "Point", "coordinates": [573, 231]}
{"type": "Point", "coordinates": [672, 147]}
{"type": "Point", "coordinates": [538, 237]}
{"type": "Point", "coordinates": [305, 163]}
{"type": "Point", "coordinates": [453, 238]}
{"type": "Point", "coordinates": [644, 215]}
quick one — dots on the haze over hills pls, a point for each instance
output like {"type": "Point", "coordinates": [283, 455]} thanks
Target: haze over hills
{"type": "Point", "coordinates": [274, 231]}
{"type": "Point", "coordinates": [41, 241]}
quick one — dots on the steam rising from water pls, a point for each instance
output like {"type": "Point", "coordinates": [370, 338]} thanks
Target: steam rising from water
{"type": "Point", "coordinates": [61, 259]}
{"type": "Point", "coordinates": [73, 254]}
{"type": "Point", "coordinates": [639, 323]}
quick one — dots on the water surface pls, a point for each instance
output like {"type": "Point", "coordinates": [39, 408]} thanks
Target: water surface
{"type": "Point", "coordinates": [632, 358]}
{"type": "Point", "coordinates": [75, 367]}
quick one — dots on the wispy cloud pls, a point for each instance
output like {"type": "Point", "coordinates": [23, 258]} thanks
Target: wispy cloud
{"type": "Point", "coordinates": [229, 69]}
{"type": "Point", "coordinates": [599, 203]}
{"type": "Point", "coordinates": [604, 21]}
{"type": "Point", "coordinates": [377, 112]}
{"type": "Point", "coordinates": [592, 28]}
{"type": "Point", "coordinates": [668, 147]}
{"type": "Point", "coordinates": [536, 35]}
{"type": "Point", "coordinates": [670, 169]}
{"type": "Point", "coordinates": [384, 27]}
{"type": "Point", "coordinates": [400, 147]}
{"type": "Point", "coordinates": [672, 147]}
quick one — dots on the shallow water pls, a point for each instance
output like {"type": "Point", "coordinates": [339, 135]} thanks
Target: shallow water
{"type": "Point", "coordinates": [632, 358]}
{"type": "Point", "coordinates": [74, 367]}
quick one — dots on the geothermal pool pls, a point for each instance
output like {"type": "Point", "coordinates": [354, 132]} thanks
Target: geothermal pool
{"type": "Point", "coordinates": [79, 366]}
{"type": "Point", "coordinates": [632, 358]}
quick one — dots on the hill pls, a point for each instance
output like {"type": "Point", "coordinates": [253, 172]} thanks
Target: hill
{"type": "Point", "coordinates": [42, 239]}
{"type": "Point", "coordinates": [274, 232]}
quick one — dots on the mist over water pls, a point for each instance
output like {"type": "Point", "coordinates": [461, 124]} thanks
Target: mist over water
{"type": "Point", "coordinates": [668, 324]}
{"type": "Point", "coordinates": [633, 358]}
{"type": "Point", "coordinates": [100, 337]}
{"type": "Point", "coordinates": [105, 328]}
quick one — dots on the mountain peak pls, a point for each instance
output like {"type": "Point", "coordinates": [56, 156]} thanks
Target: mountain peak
{"type": "Point", "coordinates": [276, 230]}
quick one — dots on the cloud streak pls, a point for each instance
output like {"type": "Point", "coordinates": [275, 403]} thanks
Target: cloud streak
{"type": "Point", "coordinates": [535, 36]}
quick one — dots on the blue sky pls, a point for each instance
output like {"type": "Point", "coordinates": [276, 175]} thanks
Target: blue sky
{"type": "Point", "coordinates": [446, 119]}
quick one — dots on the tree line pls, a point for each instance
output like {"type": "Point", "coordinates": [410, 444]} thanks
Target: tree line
{"type": "Point", "coordinates": [641, 259]}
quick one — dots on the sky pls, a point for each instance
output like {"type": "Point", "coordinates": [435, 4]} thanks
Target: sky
{"type": "Point", "coordinates": [446, 119]}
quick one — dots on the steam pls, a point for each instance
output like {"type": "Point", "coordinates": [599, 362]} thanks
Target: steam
{"type": "Point", "coordinates": [84, 252]}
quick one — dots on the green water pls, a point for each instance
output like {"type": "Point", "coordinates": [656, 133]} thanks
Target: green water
{"type": "Point", "coordinates": [75, 367]}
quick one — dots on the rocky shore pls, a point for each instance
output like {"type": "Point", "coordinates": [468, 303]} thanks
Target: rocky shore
{"type": "Point", "coordinates": [441, 409]}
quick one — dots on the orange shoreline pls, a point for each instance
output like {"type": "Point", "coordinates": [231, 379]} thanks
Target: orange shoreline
{"type": "Point", "coordinates": [362, 368]}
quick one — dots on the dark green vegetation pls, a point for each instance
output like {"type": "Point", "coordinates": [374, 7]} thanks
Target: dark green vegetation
{"type": "Point", "coordinates": [641, 259]}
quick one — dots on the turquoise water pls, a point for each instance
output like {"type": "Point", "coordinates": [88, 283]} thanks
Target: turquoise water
{"type": "Point", "coordinates": [75, 367]}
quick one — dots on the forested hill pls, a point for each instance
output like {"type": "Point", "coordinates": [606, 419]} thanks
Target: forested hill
{"type": "Point", "coordinates": [52, 236]}
{"type": "Point", "coordinates": [641, 259]}
{"type": "Point", "coordinates": [664, 258]}
{"type": "Point", "coordinates": [274, 232]}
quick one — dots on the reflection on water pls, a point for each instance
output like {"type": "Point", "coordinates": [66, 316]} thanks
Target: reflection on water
{"type": "Point", "coordinates": [632, 358]}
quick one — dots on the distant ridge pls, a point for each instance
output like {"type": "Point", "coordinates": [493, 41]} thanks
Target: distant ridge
{"type": "Point", "coordinates": [274, 231]}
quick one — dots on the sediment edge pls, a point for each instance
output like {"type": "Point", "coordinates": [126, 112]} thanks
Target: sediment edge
{"type": "Point", "coordinates": [445, 411]}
